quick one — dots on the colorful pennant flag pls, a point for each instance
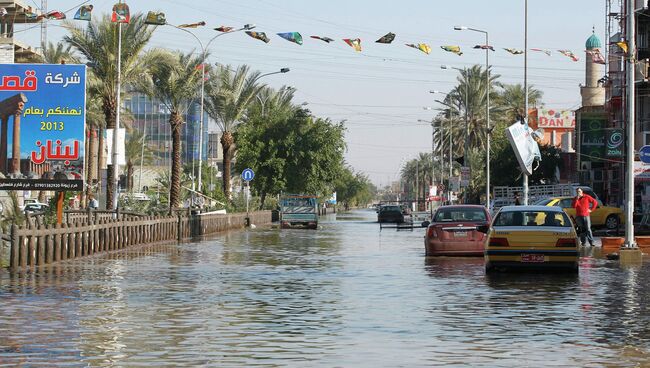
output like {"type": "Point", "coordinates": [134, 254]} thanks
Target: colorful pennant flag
{"type": "Point", "coordinates": [596, 56]}
{"type": "Point", "coordinates": [3, 12]}
{"type": "Point", "coordinates": [192, 25]}
{"type": "Point", "coordinates": [484, 47]}
{"type": "Point", "coordinates": [326, 39]}
{"type": "Point", "coordinates": [224, 29]}
{"type": "Point", "coordinates": [387, 38]}
{"type": "Point", "coordinates": [258, 35]}
{"type": "Point", "coordinates": [421, 46]}
{"type": "Point", "coordinates": [155, 18]}
{"type": "Point", "coordinates": [452, 48]}
{"type": "Point", "coordinates": [514, 51]}
{"type": "Point", "coordinates": [32, 16]}
{"type": "Point", "coordinates": [547, 52]}
{"type": "Point", "coordinates": [568, 54]}
{"type": "Point", "coordinates": [54, 14]}
{"type": "Point", "coordinates": [356, 43]}
{"type": "Point", "coordinates": [84, 12]}
{"type": "Point", "coordinates": [622, 45]}
{"type": "Point", "coordinates": [292, 36]}
{"type": "Point", "coordinates": [121, 13]}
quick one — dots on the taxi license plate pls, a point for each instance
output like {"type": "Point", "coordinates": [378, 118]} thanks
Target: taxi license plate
{"type": "Point", "coordinates": [460, 234]}
{"type": "Point", "coordinates": [532, 258]}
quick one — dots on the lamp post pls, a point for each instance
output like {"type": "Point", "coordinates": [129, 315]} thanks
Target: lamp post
{"type": "Point", "coordinates": [204, 55]}
{"type": "Point", "coordinates": [433, 147]}
{"type": "Point", "coordinates": [487, 72]}
{"type": "Point", "coordinates": [450, 147]}
{"type": "Point", "coordinates": [466, 145]}
{"type": "Point", "coordinates": [525, 89]}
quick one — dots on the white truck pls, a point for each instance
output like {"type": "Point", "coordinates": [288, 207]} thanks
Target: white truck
{"type": "Point", "coordinates": [505, 196]}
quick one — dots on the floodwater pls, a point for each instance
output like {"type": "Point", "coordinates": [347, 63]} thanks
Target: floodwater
{"type": "Point", "coordinates": [346, 295]}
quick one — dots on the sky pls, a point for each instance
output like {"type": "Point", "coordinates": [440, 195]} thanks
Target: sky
{"type": "Point", "coordinates": [381, 92]}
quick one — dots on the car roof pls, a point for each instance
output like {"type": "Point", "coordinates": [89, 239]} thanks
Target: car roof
{"type": "Point", "coordinates": [456, 206]}
{"type": "Point", "coordinates": [531, 208]}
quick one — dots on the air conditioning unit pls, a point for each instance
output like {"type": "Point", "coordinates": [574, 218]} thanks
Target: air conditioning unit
{"type": "Point", "coordinates": [585, 166]}
{"type": "Point", "coordinates": [640, 5]}
{"type": "Point", "coordinates": [642, 70]}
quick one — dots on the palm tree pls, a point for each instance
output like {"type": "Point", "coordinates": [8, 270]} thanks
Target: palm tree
{"type": "Point", "coordinates": [52, 54]}
{"type": "Point", "coordinates": [173, 79]}
{"type": "Point", "coordinates": [98, 44]}
{"type": "Point", "coordinates": [136, 149]}
{"type": "Point", "coordinates": [512, 99]}
{"type": "Point", "coordinates": [229, 94]}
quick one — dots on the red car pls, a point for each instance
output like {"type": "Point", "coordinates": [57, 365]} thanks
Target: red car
{"type": "Point", "coordinates": [453, 231]}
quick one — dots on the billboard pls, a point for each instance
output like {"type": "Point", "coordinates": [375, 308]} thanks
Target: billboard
{"type": "Point", "coordinates": [555, 119]}
{"type": "Point", "coordinates": [615, 139]}
{"type": "Point", "coordinates": [525, 147]}
{"type": "Point", "coordinates": [42, 126]}
{"type": "Point", "coordinates": [592, 136]}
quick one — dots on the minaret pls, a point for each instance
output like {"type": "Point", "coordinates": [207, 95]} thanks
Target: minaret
{"type": "Point", "coordinates": [593, 93]}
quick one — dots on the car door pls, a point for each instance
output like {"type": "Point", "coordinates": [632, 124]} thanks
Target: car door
{"type": "Point", "coordinates": [599, 215]}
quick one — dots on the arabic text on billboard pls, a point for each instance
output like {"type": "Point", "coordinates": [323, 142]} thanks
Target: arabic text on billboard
{"type": "Point", "coordinates": [592, 136]}
{"type": "Point", "coordinates": [42, 130]}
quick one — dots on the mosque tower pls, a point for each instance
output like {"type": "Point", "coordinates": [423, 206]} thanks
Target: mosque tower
{"type": "Point", "coordinates": [593, 92]}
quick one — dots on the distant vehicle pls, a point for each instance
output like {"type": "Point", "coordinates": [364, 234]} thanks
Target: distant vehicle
{"type": "Point", "coordinates": [299, 211]}
{"type": "Point", "coordinates": [453, 231]}
{"type": "Point", "coordinates": [531, 237]}
{"type": "Point", "coordinates": [35, 207]}
{"type": "Point", "coordinates": [27, 201]}
{"type": "Point", "coordinates": [506, 195]}
{"type": "Point", "coordinates": [603, 216]}
{"type": "Point", "coordinates": [390, 213]}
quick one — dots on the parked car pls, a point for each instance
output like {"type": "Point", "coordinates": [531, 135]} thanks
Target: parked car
{"type": "Point", "coordinates": [390, 213]}
{"type": "Point", "coordinates": [531, 237]}
{"type": "Point", "coordinates": [35, 207]}
{"type": "Point", "coordinates": [603, 216]}
{"type": "Point", "coordinates": [453, 231]}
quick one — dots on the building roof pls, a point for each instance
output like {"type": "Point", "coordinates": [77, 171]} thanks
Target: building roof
{"type": "Point", "coordinates": [593, 42]}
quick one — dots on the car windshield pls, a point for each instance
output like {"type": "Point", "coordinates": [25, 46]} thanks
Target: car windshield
{"type": "Point", "coordinates": [543, 202]}
{"type": "Point", "coordinates": [460, 215]}
{"type": "Point", "coordinates": [532, 218]}
{"type": "Point", "coordinates": [391, 209]}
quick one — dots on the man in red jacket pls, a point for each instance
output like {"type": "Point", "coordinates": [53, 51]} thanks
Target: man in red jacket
{"type": "Point", "coordinates": [584, 204]}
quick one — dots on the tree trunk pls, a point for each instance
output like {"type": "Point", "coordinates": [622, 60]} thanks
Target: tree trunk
{"type": "Point", "coordinates": [226, 143]}
{"type": "Point", "coordinates": [129, 176]}
{"type": "Point", "coordinates": [91, 157]}
{"type": "Point", "coordinates": [262, 199]}
{"type": "Point", "coordinates": [175, 121]}
{"type": "Point", "coordinates": [108, 105]}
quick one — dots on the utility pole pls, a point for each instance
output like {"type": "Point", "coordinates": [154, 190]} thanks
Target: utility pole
{"type": "Point", "coordinates": [525, 90]}
{"type": "Point", "coordinates": [631, 115]}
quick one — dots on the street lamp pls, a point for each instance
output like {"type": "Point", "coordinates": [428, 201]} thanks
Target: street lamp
{"type": "Point", "coordinates": [466, 146]}
{"type": "Point", "coordinates": [487, 72]}
{"type": "Point", "coordinates": [263, 102]}
{"type": "Point", "coordinates": [433, 148]}
{"type": "Point", "coordinates": [450, 147]}
{"type": "Point", "coordinates": [204, 52]}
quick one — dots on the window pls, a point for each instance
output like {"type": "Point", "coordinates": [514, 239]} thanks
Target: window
{"type": "Point", "coordinates": [532, 219]}
{"type": "Point", "coordinates": [460, 215]}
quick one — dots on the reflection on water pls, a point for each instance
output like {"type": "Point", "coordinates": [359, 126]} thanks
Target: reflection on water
{"type": "Point", "coordinates": [345, 295]}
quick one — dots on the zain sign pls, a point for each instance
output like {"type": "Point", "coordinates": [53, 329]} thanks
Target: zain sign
{"type": "Point", "coordinates": [615, 140]}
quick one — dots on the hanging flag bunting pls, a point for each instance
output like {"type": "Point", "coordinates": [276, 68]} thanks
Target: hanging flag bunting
{"type": "Point", "coordinates": [32, 16]}
{"type": "Point", "coordinates": [54, 14]}
{"type": "Point", "coordinates": [452, 48]}
{"type": "Point", "coordinates": [224, 29]}
{"type": "Point", "coordinates": [568, 54]}
{"type": "Point", "coordinates": [622, 45]}
{"type": "Point", "coordinates": [192, 25]}
{"type": "Point", "coordinates": [420, 46]}
{"type": "Point", "coordinates": [83, 13]}
{"type": "Point", "coordinates": [258, 35]}
{"type": "Point", "coordinates": [155, 18]}
{"type": "Point", "coordinates": [387, 38]}
{"type": "Point", "coordinates": [514, 51]}
{"type": "Point", "coordinates": [547, 52]}
{"type": "Point", "coordinates": [292, 36]}
{"type": "Point", "coordinates": [3, 12]}
{"type": "Point", "coordinates": [356, 43]}
{"type": "Point", "coordinates": [326, 39]}
{"type": "Point", "coordinates": [596, 56]}
{"type": "Point", "coordinates": [484, 47]}
{"type": "Point", "coordinates": [121, 13]}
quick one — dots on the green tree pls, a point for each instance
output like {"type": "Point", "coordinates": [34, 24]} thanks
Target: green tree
{"type": "Point", "coordinates": [299, 154]}
{"type": "Point", "coordinates": [173, 79]}
{"type": "Point", "coordinates": [512, 99]}
{"type": "Point", "coordinates": [353, 189]}
{"type": "Point", "coordinates": [228, 96]}
{"type": "Point", "coordinates": [98, 42]}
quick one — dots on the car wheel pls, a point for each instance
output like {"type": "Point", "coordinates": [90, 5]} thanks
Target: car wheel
{"type": "Point", "coordinates": [489, 268]}
{"type": "Point", "coordinates": [612, 222]}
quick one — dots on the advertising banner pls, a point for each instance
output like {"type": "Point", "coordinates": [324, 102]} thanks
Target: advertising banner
{"type": "Point", "coordinates": [525, 147]}
{"type": "Point", "coordinates": [592, 136]}
{"type": "Point", "coordinates": [42, 131]}
{"type": "Point", "coordinates": [555, 119]}
{"type": "Point", "coordinates": [615, 140]}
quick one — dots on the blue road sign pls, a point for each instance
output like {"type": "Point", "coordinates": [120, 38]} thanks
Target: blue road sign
{"type": "Point", "coordinates": [644, 154]}
{"type": "Point", "coordinates": [247, 174]}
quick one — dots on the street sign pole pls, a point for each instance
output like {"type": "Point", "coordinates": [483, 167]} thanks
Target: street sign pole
{"type": "Point", "coordinates": [247, 175]}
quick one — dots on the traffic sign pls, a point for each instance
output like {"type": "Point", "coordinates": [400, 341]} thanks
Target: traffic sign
{"type": "Point", "coordinates": [247, 174]}
{"type": "Point", "coordinates": [644, 154]}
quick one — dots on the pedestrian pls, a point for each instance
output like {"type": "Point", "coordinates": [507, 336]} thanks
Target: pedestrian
{"type": "Point", "coordinates": [93, 204]}
{"type": "Point", "coordinates": [517, 199]}
{"type": "Point", "coordinates": [584, 205]}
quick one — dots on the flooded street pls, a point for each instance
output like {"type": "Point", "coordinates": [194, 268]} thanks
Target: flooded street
{"type": "Point", "coordinates": [346, 295]}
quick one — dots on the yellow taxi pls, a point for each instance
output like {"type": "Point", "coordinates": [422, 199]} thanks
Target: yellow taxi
{"type": "Point", "coordinates": [603, 216]}
{"type": "Point", "coordinates": [531, 237]}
